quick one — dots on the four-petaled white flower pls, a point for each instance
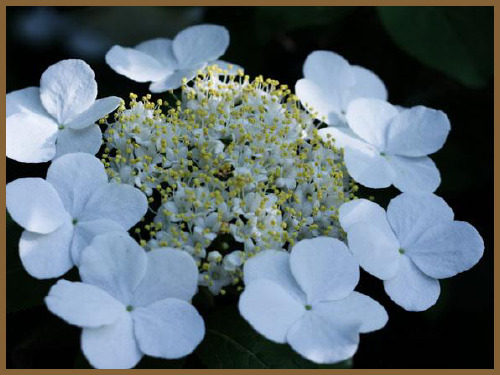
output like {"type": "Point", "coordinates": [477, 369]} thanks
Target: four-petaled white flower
{"type": "Point", "coordinates": [306, 299]}
{"type": "Point", "coordinates": [330, 83]}
{"type": "Point", "coordinates": [63, 213]}
{"type": "Point", "coordinates": [411, 246]}
{"type": "Point", "coordinates": [57, 118]}
{"type": "Point", "coordinates": [130, 302]}
{"type": "Point", "coordinates": [383, 146]}
{"type": "Point", "coordinates": [166, 62]}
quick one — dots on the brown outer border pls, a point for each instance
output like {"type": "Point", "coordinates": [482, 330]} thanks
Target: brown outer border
{"type": "Point", "coordinates": [496, 203]}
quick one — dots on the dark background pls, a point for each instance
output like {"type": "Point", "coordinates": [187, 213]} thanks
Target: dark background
{"type": "Point", "coordinates": [437, 57]}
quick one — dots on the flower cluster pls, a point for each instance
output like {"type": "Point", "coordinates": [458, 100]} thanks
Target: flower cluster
{"type": "Point", "coordinates": [228, 183]}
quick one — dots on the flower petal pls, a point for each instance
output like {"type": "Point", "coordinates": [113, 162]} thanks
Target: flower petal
{"type": "Point", "coordinates": [332, 73]}
{"type": "Point", "coordinates": [30, 138]}
{"type": "Point", "coordinates": [35, 205]}
{"type": "Point", "coordinates": [312, 95]}
{"type": "Point", "coordinates": [123, 204]}
{"type": "Point", "coordinates": [323, 338]}
{"type": "Point", "coordinates": [370, 118]}
{"type": "Point", "coordinates": [87, 140]}
{"type": "Point", "coordinates": [45, 256]}
{"type": "Point", "coordinates": [170, 328]}
{"type": "Point", "coordinates": [447, 249]}
{"type": "Point", "coordinates": [134, 64]}
{"type": "Point", "coordinates": [343, 137]}
{"type": "Point", "coordinates": [411, 288]}
{"type": "Point", "coordinates": [417, 131]}
{"type": "Point", "coordinates": [85, 231]}
{"type": "Point", "coordinates": [367, 167]}
{"type": "Point", "coordinates": [411, 214]}
{"type": "Point", "coordinates": [25, 101]}
{"type": "Point", "coordinates": [99, 109]}
{"type": "Point", "coordinates": [75, 178]}
{"type": "Point", "coordinates": [270, 309]}
{"type": "Point", "coordinates": [67, 88]}
{"type": "Point", "coordinates": [112, 346]}
{"type": "Point", "coordinates": [170, 273]}
{"type": "Point", "coordinates": [273, 265]}
{"type": "Point", "coordinates": [359, 210]}
{"type": "Point", "coordinates": [232, 69]}
{"type": "Point", "coordinates": [160, 49]}
{"type": "Point", "coordinates": [368, 85]}
{"type": "Point", "coordinates": [375, 248]}
{"type": "Point", "coordinates": [172, 81]}
{"type": "Point", "coordinates": [414, 174]}
{"type": "Point", "coordinates": [82, 304]}
{"type": "Point", "coordinates": [115, 263]}
{"type": "Point", "coordinates": [199, 44]}
{"type": "Point", "coordinates": [324, 268]}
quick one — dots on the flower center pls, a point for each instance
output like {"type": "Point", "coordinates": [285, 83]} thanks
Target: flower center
{"type": "Point", "coordinates": [309, 307]}
{"type": "Point", "coordinates": [74, 221]}
{"type": "Point", "coordinates": [130, 308]}
{"type": "Point", "coordinates": [61, 127]}
{"type": "Point", "coordinates": [401, 250]}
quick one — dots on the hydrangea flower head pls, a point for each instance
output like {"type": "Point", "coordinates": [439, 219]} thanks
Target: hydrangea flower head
{"type": "Point", "coordinates": [411, 246]}
{"type": "Point", "coordinates": [166, 62]}
{"type": "Point", "coordinates": [130, 302]}
{"type": "Point", "coordinates": [306, 298]}
{"type": "Point", "coordinates": [63, 213]}
{"type": "Point", "coordinates": [59, 117]}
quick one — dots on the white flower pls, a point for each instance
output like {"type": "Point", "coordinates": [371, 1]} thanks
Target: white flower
{"type": "Point", "coordinates": [383, 146]}
{"type": "Point", "coordinates": [63, 213]}
{"type": "Point", "coordinates": [216, 277]}
{"type": "Point", "coordinates": [412, 246]}
{"type": "Point", "coordinates": [130, 302]}
{"type": "Point", "coordinates": [306, 299]}
{"type": "Point", "coordinates": [233, 260]}
{"type": "Point", "coordinates": [330, 84]}
{"type": "Point", "coordinates": [166, 62]}
{"type": "Point", "coordinates": [57, 118]}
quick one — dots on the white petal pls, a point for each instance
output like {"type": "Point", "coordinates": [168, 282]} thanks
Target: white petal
{"type": "Point", "coordinates": [115, 263]}
{"type": "Point", "coordinates": [82, 304]}
{"type": "Point", "coordinates": [273, 265]}
{"type": "Point", "coordinates": [232, 69]}
{"type": "Point", "coordinates": [76, 177]}
{"type": "Point", "coordinates": [160, 49]}
{"type": "Point", "coordinates": [169, 329]}
{"type": "Point", "coordinates": [356, 308]}
{"type": "Point", "coordinates": [135, 64]}
{"type": "Point", "coordinates": [199, 44]}
{"type": "Point", "coordinates": [367, 167]}
{"type": "Point", "coordinates": [411, 288]}
{"type": "Point", "coordinates": [411, 214]}
{"type": "Point", "coordinates": [30, 138]}
{"type": "Point", "coordinates": [312, 95]}
{"type": "Point", "coordinates": [99, 109]}
{"type": "Point", "coordinates": [170, 273]}
{"type": "Point", "coordinates": [370, 118]}
{"type": "Point", "coordinates": [417, 131]}
{"type": "Point", "coordinates": [375, 248]}
{"type": "Point", "coordinates": [323, 338]}
{"type": "Point", "coordinates": [368, 85]}
{"type": "Point", "coordinates": [359, 210]}
{"type": "Point", "coordinates": [343, 137]}
{"type": "Point", "coordinates": [25, 101]}
{"type": "Point", "coordinates": [35, 205]}
{"type": "Point", "coordinates": [45, 256]}
{"type": "Point", "coordinates": [85, 231]}
{"type": "Point", "coordinates": [414, 174]}
{"type": "Point", "coordinates": [87, 140]}
{"type": "Point", "coordinates": [332, 73]}
{"type": "Point", "coordinates": [172, 81]}
{"type": "Point", "coordinates": [270, 309]}
{"type": "Point", "coordinates": [324, 268]}
{"type": "Point", "coordinates": [447, 249]}
{"type": "Point", "coordinates": [123, 204]}
{"type": "Point", "coordinates": [67, 88]}
{"type": "Point", "coordinates": [112, 346]}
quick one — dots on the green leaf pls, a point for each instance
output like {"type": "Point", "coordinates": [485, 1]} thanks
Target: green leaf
{"type": "Point", "coordinates": [457, 41]}
{"type": "Point", "coordinates": [231, 343]}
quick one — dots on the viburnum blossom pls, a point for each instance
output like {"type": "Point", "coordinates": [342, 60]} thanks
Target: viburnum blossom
{"type": "Point", "coordinates": [411, 246]}
{"type": "Point", "coordinates": [59, 117]}
{"type": "Point", "coordinates": [305, 298]}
